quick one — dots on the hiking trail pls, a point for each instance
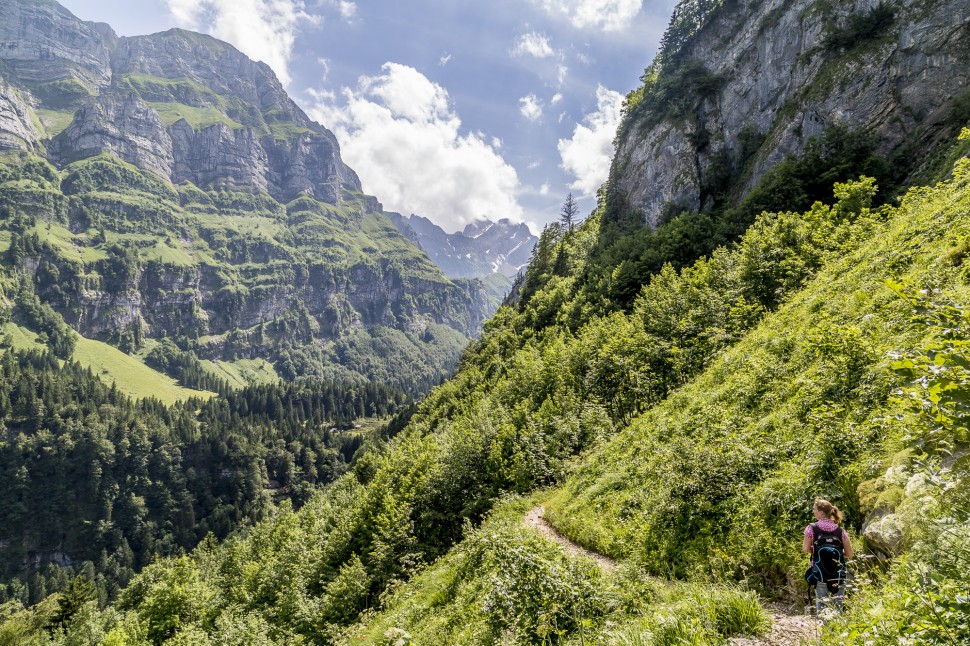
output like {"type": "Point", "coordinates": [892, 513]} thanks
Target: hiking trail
{"type": "Point", "coordinates": [788, 626]}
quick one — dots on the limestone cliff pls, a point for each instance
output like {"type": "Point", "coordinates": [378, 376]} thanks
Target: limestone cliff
{"type": "Point", "coordinates": [779, 72]}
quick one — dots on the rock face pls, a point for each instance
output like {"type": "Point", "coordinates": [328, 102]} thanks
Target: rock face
{"type": "Point", "coordinates": [43, 42]}
{"type": "Point", "coordinates": [123, 125]}
{"type": "Point", "coordinates": [782, 77]}
{"type": "Point", "coordinates": [17, 131]}
{"type": "Point", "coordinates": [483, 248]}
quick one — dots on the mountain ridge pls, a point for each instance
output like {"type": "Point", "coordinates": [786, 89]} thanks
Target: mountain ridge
{"type": "Point", "coordinates": [482, 248]}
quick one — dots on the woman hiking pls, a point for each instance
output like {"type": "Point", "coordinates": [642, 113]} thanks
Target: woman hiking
{"type": "Point", "coordinates": [829, 546]}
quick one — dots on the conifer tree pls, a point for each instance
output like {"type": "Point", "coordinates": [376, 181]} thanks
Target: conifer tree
{"type": "Point", "coordinates": [568, 213]}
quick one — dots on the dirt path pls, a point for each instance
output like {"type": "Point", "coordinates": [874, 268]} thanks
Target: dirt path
{"type": "Point", "coordinates": [534, 519]}
{"type": "Point", "coordinates": [789, 626]}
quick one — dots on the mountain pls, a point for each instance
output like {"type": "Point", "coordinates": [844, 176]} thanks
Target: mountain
{"type": "Point", "coordinates": [483, 248]}
{"type": "Point", "coordinates": [166, 186]}
{"type": "Point", "coordinates": [670, 391]}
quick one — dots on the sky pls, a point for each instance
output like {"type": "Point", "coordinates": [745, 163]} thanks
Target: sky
{"type": "Point", "coordinates": [454, 110]}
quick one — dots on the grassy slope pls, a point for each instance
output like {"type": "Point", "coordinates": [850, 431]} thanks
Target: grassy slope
{"type": "Point", "coordinates": [243, 372]}
{"type": "Point", "coordinates": [505, 574]}
{"type": "Point", "coordinates": [111, 365]}
{"type": "Point", "coordinates": [795, 410]}
{"type": "Point", "coordinates": [129, 374]}
{"type": "Point", "coordinates": [798, 409]}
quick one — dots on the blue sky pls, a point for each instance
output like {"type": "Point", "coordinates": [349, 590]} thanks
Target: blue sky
{"type": "Point", "coordinates": [452, 110]}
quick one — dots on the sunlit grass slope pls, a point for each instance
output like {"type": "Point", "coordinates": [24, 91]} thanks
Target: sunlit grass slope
{"type": "Point", "coordinates": [111, 365]}
{"type": "Point", "coordinates": [718, 479]}
{"type": "Point", "coordinates": [130, 375]}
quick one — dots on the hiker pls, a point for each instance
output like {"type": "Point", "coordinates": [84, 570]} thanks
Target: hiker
{"type": "Point", "coordinates": [829, 546]}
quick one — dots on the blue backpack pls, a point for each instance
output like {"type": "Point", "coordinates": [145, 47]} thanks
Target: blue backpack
{"type": "Point", "coordinates": [828, 560]}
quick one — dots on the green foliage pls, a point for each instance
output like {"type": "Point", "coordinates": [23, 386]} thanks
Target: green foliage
{"type": "Point", "coordinates": [528, 400]}
{"type": "Point", "coordinates": [61, 93]}
{"type": "Point", "coordinates": [504, 582]}
{"type": "Point", "coordinates": [673, 92]}
{"type": "Point", "coordinates": [860, 27]}
{"type": "Point", "coordinates": [796, 410]}
{"type": "Point", "coordinates": [688, 19]}
{"type": "Point", "coordinates": [121, 482]}
{"type": "Point", "coordinates": [42, 318]}
{"type": "Point", "coordinates": [925, 599]}
{"type": "Point", "coordinates": [940, 372]}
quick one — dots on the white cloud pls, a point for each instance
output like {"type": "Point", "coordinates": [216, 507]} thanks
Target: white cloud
{"type": "Point", "coordinates": [588, 153]}
{"type": "Point", "coordinates": [398, 130]}
{"type": "Point", "coordinates": [544, 189]}
{"type": "Point", "coordinates": [534, 165]}
{"type": "Point", "coordinates": [607, 15]}
{"type": "Point", "coordinates": [444, 60]}
{"type": "Point", "coordinates": [562, 72]}
{"type": "Point", "coordinates": [325, 67]}
{"type": "Point", "coordinates": [533, 44]}
{"type": "Point", "coordinates": [264, 30]}
{"type": "Point", "coordinates": [556, 98]}
{"type": "Point", "coordinates": [348, 10]}
{"type": "Point", "coordinates": [530, 107]}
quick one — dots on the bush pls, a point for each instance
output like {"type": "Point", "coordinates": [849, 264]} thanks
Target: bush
{"type": "Point", "coordinates": [860, 28]}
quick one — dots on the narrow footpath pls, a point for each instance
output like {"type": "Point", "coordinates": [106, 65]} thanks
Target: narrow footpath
{"type": "Point", "coordinates": [788, 626]}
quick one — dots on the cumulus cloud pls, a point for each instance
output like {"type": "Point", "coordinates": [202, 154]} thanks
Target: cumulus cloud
{"type": "Point", "coordinates": [556, 98]}
{"type": "Point", "coordinates": [533, 44]}
{"type": "Point", "coordinates": [607, 15]}
{"type": "Point", "coordinates": [264, 30]}
{"type": "Point", "coordinates": [588, 153]}
{"type": "Point", "coordinates": [530, 107]}
{"type": "Point", "coordinates": [444, 60]}
{"type": "Point", "coordinates": [399, 131]}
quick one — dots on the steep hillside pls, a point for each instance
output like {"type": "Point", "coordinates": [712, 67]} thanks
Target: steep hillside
{"type": "Point", "coordinates": [675, 401]}
{"type": "Point", "coordinates": [754, 105]}
{"type": "Point", "coordinates": [166, 186]}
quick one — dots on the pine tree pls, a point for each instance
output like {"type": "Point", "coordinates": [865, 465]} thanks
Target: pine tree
{"type": "Point", "coordinates": [568, 213]}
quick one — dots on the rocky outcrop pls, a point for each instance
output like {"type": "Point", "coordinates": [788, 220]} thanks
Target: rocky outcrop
{"type": "Point", "coordinates": [273, 253]}
{"type": "Point", "coordinates": [778, 77]}
{"type": "Point", "coordinates": [120, 124]}
{"type": "Point", "coordinates": [43, 42]}
{"type": "Point", "coordinates": [17, 130]}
